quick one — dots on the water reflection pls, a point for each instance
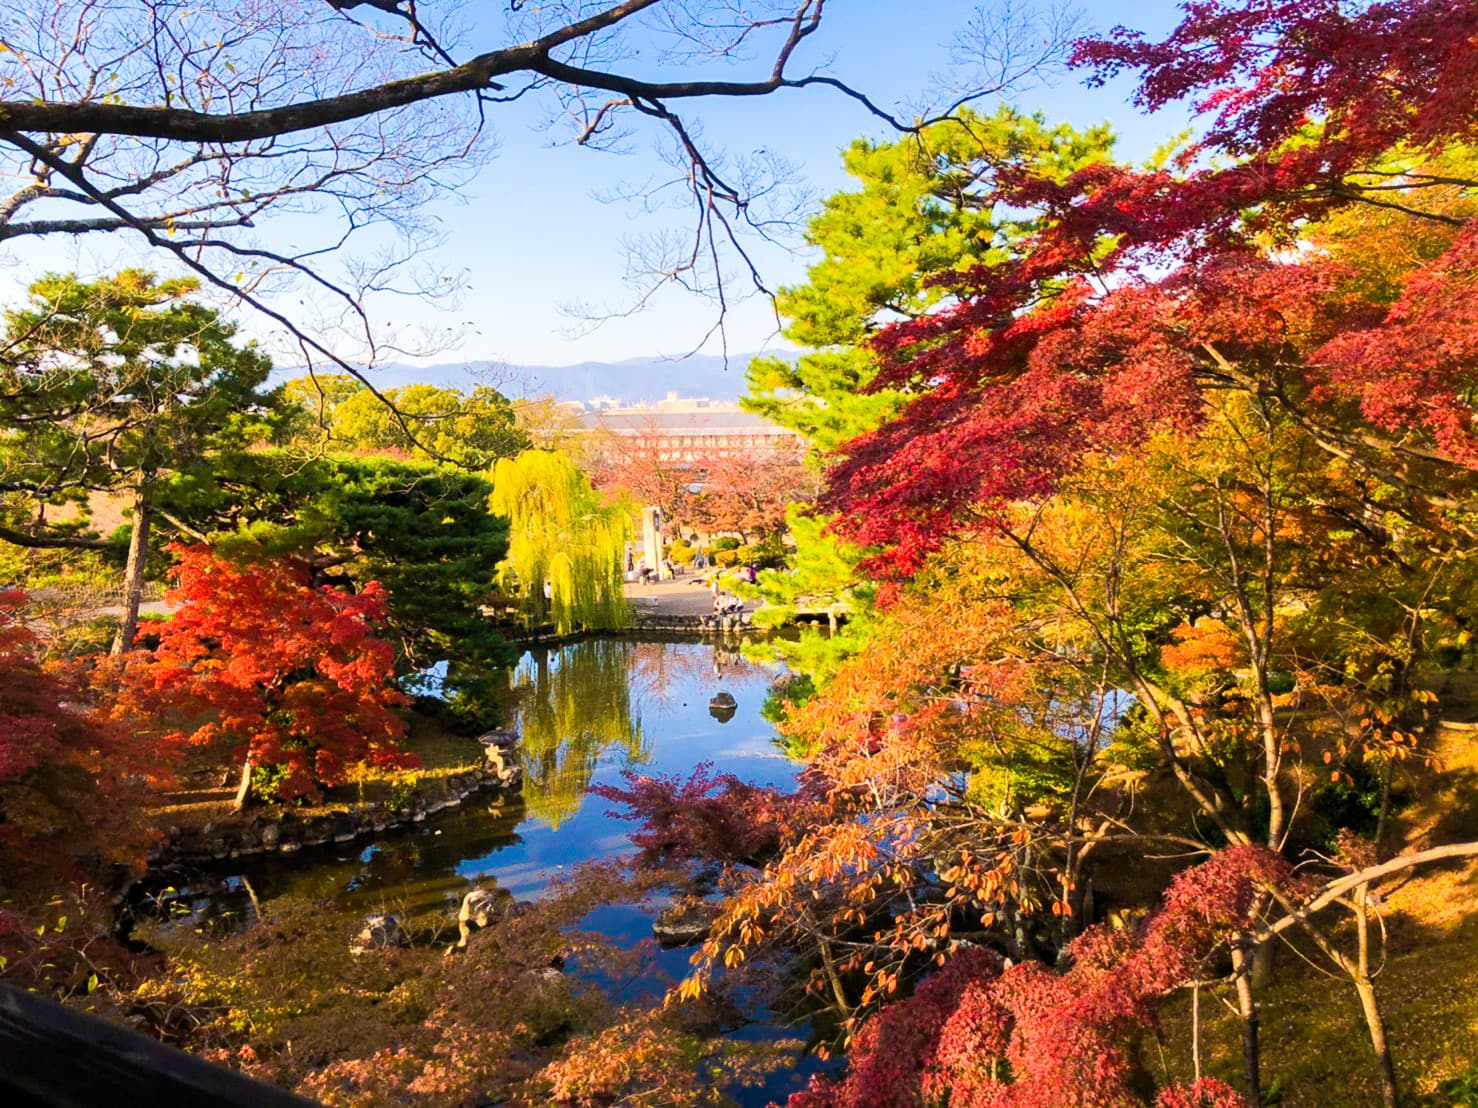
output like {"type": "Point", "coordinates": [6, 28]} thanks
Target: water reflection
{"type": "Point", "coordinates": [575, 705]}
{"type": "Point", "coordinates": [585, 711]}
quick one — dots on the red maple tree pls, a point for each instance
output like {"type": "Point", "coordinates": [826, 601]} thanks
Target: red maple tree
{"type": "Point", "coordinates": [711, 489]}
{"type": "Point", "coordinates": [71, 787]}
{"type": "Point", "coordinates": [645, 466]}
{"type": "Point", "coordinates": [984, 1034]}
{"type": "Point", "coordinates": [747, 493]}
{"type": "Point", "coordinates": [66, 773]}
{"type": "Point", "coordinates": [292, 676]}
{"type": "Point", "coordinates": [1141, 289]}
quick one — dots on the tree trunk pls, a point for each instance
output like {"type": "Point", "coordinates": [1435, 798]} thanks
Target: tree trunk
{"type": "Point", "coordinates": [1196, 1031]}
{"type": "Point", "coordinates": [1365, 989]}
{"type": "Point", "coordinates": [1247, 1010]}
{"type": "Point", "coordinates": [838, 993]}
{"type": "Point", "coordinates": [133, 572]}
{"type": "Point", "coordinates": [243, 790]}
{"type": "Point", "coordinates": [1377, 1029]}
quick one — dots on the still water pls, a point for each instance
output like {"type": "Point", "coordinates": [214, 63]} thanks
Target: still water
{"type": "Point", "coordinates": [585, 712]}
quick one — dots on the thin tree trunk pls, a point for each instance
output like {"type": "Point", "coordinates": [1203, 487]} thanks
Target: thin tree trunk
{"type": "Point", "coordinates": [1196, 1031]}
{"type": "Point", "coordinates": [243, 790]}
{"type": "Point", "coordinates": [1014, 934]}
{"type": "Point", "coordinates": [837, 992]}
{"type": "Point", "coordinates": [1247, 1010]}
{"type": "Point", "coordinates": [1377, 1029]}
{"type": "Point", "coordinates": [133, 571]}
{"type": "Point", "coordinates": [1385, 802]}
{"type": "Point", "coordinates": [1359, 972]}
{"type": "Point", "coordinates": [1365, 989]}
{"type": "Point", "coordinates": [1263, 963]}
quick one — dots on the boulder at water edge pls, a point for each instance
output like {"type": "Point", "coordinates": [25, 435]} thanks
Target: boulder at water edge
{"type": "Point", "coordinates": [379, 932]}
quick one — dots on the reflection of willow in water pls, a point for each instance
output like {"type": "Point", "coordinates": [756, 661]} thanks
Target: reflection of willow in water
{"type": "Point", "coordinates": [574, 703]}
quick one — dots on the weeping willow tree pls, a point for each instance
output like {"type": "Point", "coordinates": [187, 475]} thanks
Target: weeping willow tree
{"type": "Point", "coordinates": [561, 533]}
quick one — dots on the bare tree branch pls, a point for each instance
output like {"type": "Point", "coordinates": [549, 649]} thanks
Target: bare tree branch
{"type": "Point", "coordinates": [195, 124]}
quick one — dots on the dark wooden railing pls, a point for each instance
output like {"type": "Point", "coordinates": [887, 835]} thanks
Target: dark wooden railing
{"type": "Point", "coordinates": [54, 1056]}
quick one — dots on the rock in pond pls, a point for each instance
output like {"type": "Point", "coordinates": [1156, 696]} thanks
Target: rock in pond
{"type": "Point", "coordinates": [480, 908]}
{"type": "Point", "coordinates": [684, 923]}
{"type": "Point", "coordinates": [722, 707]}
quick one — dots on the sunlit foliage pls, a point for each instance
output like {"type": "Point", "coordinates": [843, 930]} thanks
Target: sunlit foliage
{"type": "Point", "coordinates": [290, 678]}
{"type": "Point", "coordinates": [566, 547]}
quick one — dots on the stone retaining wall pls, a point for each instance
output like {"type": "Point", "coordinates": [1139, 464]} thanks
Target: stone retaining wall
{"type": "Point", "coordinates": [704, 626]}
{"type": "Point", "coordinates": [694, 625]}
{"type": "Point", "coordinates": [288, 832]}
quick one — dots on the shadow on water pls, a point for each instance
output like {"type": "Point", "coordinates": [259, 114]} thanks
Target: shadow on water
{"type": "Point", "coordinates": [585, 711]}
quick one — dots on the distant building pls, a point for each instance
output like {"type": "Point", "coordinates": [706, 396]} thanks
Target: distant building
{"type": "Point", "coordinates": [688, 430]}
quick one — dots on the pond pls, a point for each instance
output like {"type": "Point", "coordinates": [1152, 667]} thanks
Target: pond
{"type": "Point", "coordinates": [585, 712]}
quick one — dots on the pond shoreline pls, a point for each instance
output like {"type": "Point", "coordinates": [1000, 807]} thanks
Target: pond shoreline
{"type": "Point", "coordinates": [584, 713]}
{"type": "Point", "coordinates": [656, 627]}
{"type": "Point", "coordinates": [268, 831]}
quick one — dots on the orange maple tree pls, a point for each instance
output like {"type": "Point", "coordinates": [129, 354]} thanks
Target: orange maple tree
{"type": "Point", "coordinates": [294, 677]}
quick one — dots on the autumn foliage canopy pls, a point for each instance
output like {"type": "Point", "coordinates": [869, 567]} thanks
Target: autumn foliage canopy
{"type": "Point", "coordinates": [66, 772]}
{"type": "Point", "coordinates": [291, 675]}
{"type": "Point", "coordinates": [1141, 289]}
{"type": "Point", "coordinates": [1150, 517]}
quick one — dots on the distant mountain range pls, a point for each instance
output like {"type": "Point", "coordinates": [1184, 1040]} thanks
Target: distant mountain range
{"type": "Point", "coordinates": [633, 381]}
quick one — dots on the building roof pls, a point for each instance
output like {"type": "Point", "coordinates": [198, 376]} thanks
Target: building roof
{"type": "Point", "coordinates": [681, 417]}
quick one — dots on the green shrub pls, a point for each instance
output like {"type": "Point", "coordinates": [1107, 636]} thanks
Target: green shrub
{"type": "Point", "coordinates": [1280, 682]}
{"type": "Point", "coordinates": [681, 552]}
{"type": "Point", "coordinates": [92, 636]}
{"type": "Point", "coordinates": [266, 780]}
{"type": "Point", "coordinates": [765, 554]}
{"type": "Point", "coordinates": [1463, 1089]}
{"type": "Point", "coordinates": [1354, 804]}
{"type": "Point", "coordinates": [728, 542]}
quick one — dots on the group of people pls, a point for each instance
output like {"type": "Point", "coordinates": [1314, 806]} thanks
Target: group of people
{"type": "Point", "coordinates": [724, 603]}
{"type": "Point", "coordinates": [646, 574]}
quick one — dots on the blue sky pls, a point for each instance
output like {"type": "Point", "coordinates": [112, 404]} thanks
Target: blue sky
{"type": "Point", "coordinates": [529, 235]}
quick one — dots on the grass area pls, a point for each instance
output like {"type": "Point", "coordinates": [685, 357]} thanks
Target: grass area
{"type": "Point", "coordinates": [207, 790]}
{"type": "Point", "coordinates": [1315, 1047]}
